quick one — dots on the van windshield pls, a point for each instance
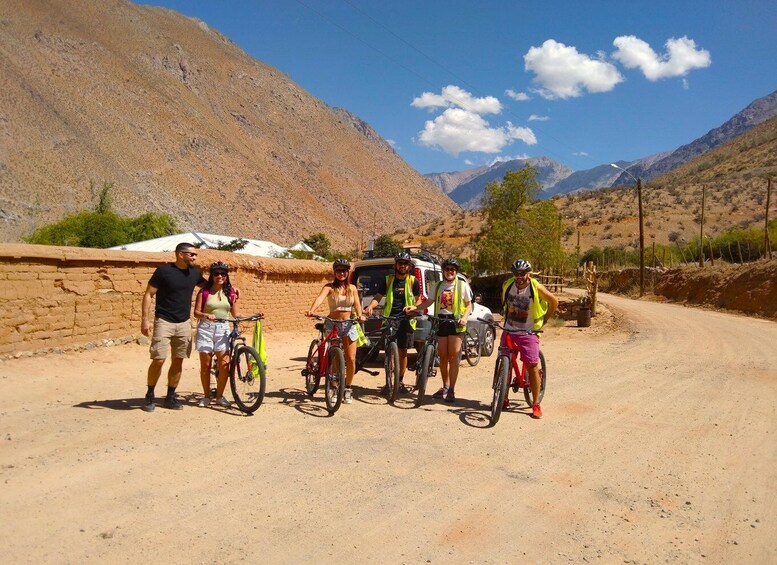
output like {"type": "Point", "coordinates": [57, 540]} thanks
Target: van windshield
{"type": "Point", "coordinates": [368, 278]}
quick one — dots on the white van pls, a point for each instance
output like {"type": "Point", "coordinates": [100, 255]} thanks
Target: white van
{"type": "Point", "coordinates": [369, 272]}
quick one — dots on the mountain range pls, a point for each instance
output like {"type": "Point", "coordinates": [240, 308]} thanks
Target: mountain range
{"type": "Point", "coordinates": [466, 187]}
{"type": "Point", "coordinates": [182, 121]}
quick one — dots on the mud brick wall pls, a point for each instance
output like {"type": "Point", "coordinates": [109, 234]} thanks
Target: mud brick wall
{"type": "Point", "coordinates": [69, 297]}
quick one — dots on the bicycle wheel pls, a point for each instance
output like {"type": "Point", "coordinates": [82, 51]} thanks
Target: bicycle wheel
{"type": "Point", "coordinates": [472, 346]}
{"type": "Point", "coordinates": [335, 380]}
{"type": "Point", "coordinates": [312, 376]}
{"type": "Point", "coordinates": [425, 370]}
{"type": "Point", "coordinates": [247, 378]}
{"type": "Point", "coordinates": [543, 378]}
{"type": "Point", "coordinates": [391, 365]}
{"type": "Point", "coordinates": [501, 373]}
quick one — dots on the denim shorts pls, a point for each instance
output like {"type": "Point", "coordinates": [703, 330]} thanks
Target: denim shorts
{"type": "Point", "coordinates": [212, 336]}
{"type": "Point", "coordinates": [353, 333]}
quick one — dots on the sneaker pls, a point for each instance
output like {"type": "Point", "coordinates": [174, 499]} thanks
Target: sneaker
{"type": "Point", "coordinates": [506, 404]}
{"type": "Point", "coordinates": [204, 402]}
{"type": "Point", "coordinates": [172, 403]}
{"type": "Point", "coordinates": [222, 401]}
{"type": "Point", "coordinates": [440, 394]}
{"type": "Point", "coordinates": [148, 405]}
{"type": "Point", "coordinates": [536, 411]}
{"type": "Point", "coordinates": [347, 397]}
{"type": "Point", "coordinates": [450, 397]}
{"type": "Point", "coordinates": [402, 388]}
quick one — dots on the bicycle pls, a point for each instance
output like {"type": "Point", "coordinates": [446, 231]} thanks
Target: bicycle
{"type": "Point", "coordinates": [470, 348]}
{"type": "Point", "coordinates": [425, 368]}
{"type": "Point", "coordinates": [247, 373]}
{"type": "Point", "coordinates": [326, 360]}
{"type": "Point", "coordinates": [507, 363]}
{"type": "Point", "coordinates": [385, 340]}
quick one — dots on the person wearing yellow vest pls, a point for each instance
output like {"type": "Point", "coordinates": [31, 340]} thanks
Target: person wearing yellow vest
{"type": "Point", "coordinates": [452, 301]}
{"type": "Point", "coordinates": [343, 301]}
{"type": "Point", "coordinates": [401, 290]}
{"type": "Point", "coordinates": [527, 305]}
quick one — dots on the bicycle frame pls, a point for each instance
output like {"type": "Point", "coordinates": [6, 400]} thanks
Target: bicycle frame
{"type": "Point", "coordinates": [328, 340]}
{"type": "Point", "coordinates": [388, 332]}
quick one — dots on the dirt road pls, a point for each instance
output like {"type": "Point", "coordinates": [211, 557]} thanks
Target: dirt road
{"type": "Point", "coordinates": [658, 444]}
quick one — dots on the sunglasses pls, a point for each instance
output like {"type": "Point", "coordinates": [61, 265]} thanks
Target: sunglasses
{"type": "Point", "coordinates": [521, 274]}
{"type": "Point", "coordinates": [189, 253]}
{"type": "Point", "coordinates": [452, 269]}
{"type": "Point", "coordinates": [403, 264]}
{"type": "Point", "coordinates": [341, 271]}
{"type": "Point", "coordinates": [219, 274]}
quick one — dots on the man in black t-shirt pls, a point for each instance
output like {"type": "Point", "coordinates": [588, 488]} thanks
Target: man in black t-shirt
{"type": "Point", "coordinates": [173, 285]}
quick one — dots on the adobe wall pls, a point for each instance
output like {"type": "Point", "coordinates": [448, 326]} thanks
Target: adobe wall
{"type": "Point", "coordinates": [70, 297]}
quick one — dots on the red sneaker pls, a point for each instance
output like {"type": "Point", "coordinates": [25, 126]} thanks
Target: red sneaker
{"type": "Point", "coordinates": [536, 411]}
{"type": "Point", "coordinates": [506, 404]}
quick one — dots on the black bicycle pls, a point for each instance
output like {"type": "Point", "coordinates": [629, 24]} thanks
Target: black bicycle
{"type": "Point", "coordinates": [247, 373]}
{"type": "Point", "coordinates": [425, 368]}
{"type": "Point", "coordinates": [470, 348]}
{"type": "Point", "coordinates": [384, 338]}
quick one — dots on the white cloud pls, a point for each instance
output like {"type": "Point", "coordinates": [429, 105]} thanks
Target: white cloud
{"type": "Point", "coordinates": [453, 96]}
{"type": "Point", "coordinates": [562, 72]}
{"type": "Point", "coordinates": [505, 158]}
{"type": "Point", "coordinates": [685, 84]}
{"type": "Point", "coordinates": [457, 130]}
{"type": "Point", "coordinates": [536, 118]}
{"type": "Point", "coordinates": [519, 96]}
{"type": "Point", "coordinates": [580, 154]}
{"type": "Point", "coordinates": [681, 56]}
{"type": "Point", "coordinates": [468, 162]}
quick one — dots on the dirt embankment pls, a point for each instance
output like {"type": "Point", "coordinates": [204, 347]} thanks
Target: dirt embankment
{"type": "Point", "coordinates": [749, 288]}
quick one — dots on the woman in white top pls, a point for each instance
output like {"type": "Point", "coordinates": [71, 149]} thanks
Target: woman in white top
{"type": "Point", "coordinates": [453, 303]}
{"type": "Point", "coordinates": [343, 301]}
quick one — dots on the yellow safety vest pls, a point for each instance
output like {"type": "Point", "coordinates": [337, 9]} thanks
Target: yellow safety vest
{"type": "Point", "coordinates": [540, 305]}
{"type": "Point", "coordinates": [409, 298]}
{"type": "Point", "coordinates": [458, 303]}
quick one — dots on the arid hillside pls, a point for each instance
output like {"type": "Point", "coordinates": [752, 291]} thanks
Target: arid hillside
{"type": "Point", "coordinates": [181, 121]}
{"type": "Point", "coordinates": [733, 177]}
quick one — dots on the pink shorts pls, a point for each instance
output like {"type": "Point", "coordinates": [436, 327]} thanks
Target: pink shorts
{"type": "Point", "coordinates": [528, 345]}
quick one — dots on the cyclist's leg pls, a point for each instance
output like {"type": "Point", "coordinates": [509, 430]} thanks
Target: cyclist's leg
{"type": "Point", "coordinates": [206, 359]}
{"type": "Point", "coordinates": [181, 344]}
{"type": "Point", "coordinates": [223, 364]}
{"type": "Point", "coordinates": [442, 351]}
{"type": "Point", "coordinates": [349, 349]}
{"type": "Point", "coordinates": [404, 341]}
{"type": "Point", "coordinates": [530, 353]}
{"type": "Point", "coordinates": [454, 357]}
{"type": "Point", "coordinates": [506, 343]}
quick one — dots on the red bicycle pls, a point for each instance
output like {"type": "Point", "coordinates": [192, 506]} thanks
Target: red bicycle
{"type": "Point", "coordinates": [326, 360]}
{"type": "Point", "coordinates": [509, 362]}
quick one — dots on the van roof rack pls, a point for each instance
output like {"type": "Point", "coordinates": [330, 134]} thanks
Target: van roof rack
{"type": "Point", "coordinates": [424, 255]}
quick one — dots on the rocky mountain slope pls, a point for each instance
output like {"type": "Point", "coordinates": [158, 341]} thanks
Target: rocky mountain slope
{"type": "Point", "coordinates": [755, 113]}
{"type": "Point", "coordinates": [469, 192]}
{"type": "Point", "coordinates": [182, 121]}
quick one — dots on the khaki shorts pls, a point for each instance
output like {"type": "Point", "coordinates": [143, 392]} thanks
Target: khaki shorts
{"type": "Point", "coordinates": [169, 333]}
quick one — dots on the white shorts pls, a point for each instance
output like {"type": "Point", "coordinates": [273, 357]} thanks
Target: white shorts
{"type": "Point", "coordinates": [353, 333]}
{"type": "Point", "coordinates": [212, 336]}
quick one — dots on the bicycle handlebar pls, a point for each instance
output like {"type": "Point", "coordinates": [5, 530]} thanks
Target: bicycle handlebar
{"type": "Point", "coordinates": [251, 318]}
{"type": "Point", "coordinates": [494, 324]}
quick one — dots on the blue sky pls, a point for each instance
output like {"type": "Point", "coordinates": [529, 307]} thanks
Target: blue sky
{"type": "Point", "coordinates": [454, 85]}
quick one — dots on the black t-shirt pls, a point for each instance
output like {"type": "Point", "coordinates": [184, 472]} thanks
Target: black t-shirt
{"type": "Point", "coordinates": [174, 291]}
{"type": "Point", "coordinates": [398, 303]}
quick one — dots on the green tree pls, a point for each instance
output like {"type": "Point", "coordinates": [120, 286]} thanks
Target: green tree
{"type": "Point", "coordinates": [516, 226]}
{"type": "Point", "coordinates": [320, 244]}
{"type": "Point", "coordinates": [386, 246]}
{"type": "Point", "coordinates": [102, 227]}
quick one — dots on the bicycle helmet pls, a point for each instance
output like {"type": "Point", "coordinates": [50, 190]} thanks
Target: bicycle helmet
{"type": "Point", "coordinates": [403, 256]}
{"type": "Point", "coordinates": [521, 266]}
{"type": "Point", "coordinates": [219, 266]}
{"type": "Point", "coordinates": [451, 262]}
{"type": "Point", "coordinates": [341, 264]}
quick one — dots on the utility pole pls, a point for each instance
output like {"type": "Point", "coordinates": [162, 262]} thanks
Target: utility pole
{"type": "Point", "coordinates": [701, 227]}
{"type": "Point", "coordinates": [768, 246]}
{"type": "Point", "coordinates": [641, 240]}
